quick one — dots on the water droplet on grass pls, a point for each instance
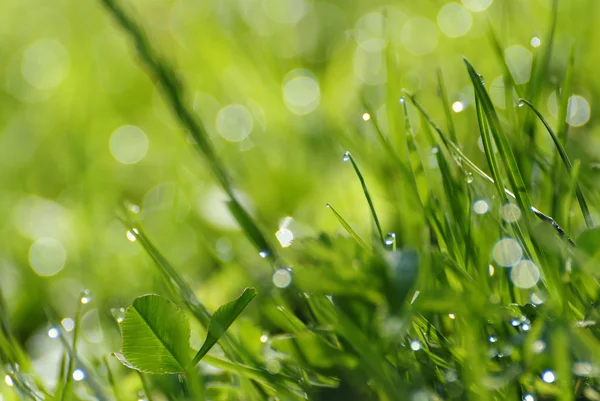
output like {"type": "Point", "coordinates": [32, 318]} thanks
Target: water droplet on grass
{"type": "Point", "coordinates": [346, 157]}
{"type": "Point", "coordinates": [493, 339]}
{"type": "Point", "coordinates": [528, 397]}
{"type": "Point", "coordinates": [458, 106]}
{"type": "Point", "coordinates": [520, 104]}
{"type": "Point", "coordinates": [78, 375]}
{"type": "Point", "coordinates": [402, 100]}
{"type": "Point", "coordinates": [118, 314]}
{"type": "Point", "coordinates": [285, 237]}
{"type": "Point", "coordinates": [264, 338]}
{"type": "Point", "coordinates": [263, 254]}
{"type": "Point", "coordinates": [548, 376]}
{"type": "Point", "coordinates": [131, 235]}
{"type": "Point", "coordinates": [86, 297]}
{"type": "Point", "coordinates": [535, 42]}
{"type": "Point", "coordinates": [469, 178]}
{"type": "Point", "coordinates": [390, 239]}
{"type": "Point", "coordinates": [53, 332]}
{"type": "Point", "coordinates": [8, 380]}
{"type": "Point", "coordinates": [366, 117]}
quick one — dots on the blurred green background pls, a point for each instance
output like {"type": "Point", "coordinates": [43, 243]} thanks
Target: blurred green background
{"type": "Point", "coordinates": [277, 83]}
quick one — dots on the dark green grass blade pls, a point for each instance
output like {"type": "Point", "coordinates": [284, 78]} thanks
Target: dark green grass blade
{"type": "Point", "coordinates": [363, 184]}
{"type": "Point", "coordinates": [587, 216]}
{"type": "Point", "coordinates": [174, 94]}
{"type": "Point", "coordinates": [446, 104]}
{"type": "Point", "coordinates": [349, 229]}
{"type": "Point", "coordinates": [571, 188]}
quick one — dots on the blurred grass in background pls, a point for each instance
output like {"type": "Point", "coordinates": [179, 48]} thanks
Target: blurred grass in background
{"type": "Point", "coordinates": [284, 88]}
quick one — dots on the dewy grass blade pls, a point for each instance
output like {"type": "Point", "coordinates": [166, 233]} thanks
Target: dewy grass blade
{"type": "Point", "coordinates": [446, 104]}
{"type": "Point", "coordinates": [565, 159]}
{"type": "Point", "coordinates": [463, 158]}
{"type": "Point", "coordinates": [348, 156]}
{"type": "Point", "coordinates": [174, 94]}
{"type": "Point", "coordinates": [349, 229]}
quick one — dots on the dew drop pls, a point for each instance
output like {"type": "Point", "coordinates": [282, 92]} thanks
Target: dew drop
{"type": "Point", "coordinates": [520, 104]}
{"type": "Point", "coordinates": [264, 338]}
{"type": "Point", "coordinates": [78, 375]}
{"type": "Point", "coordinates": [402, 100]}
{"type": "Point", "coordinates": [528, 397]}
{"type": "Point", "coordinates": [548, 376]}
{"type": "Point", "coordinates": [493, 339]}
{"type": "Point", "coordinates": [118, 314]}
{"type": "Point", "coordinates": [469, 178]}
{"type": "Point", "coordinates": [415, 345]}
{"type": "Point", "coordinates": [86, 297]}
{"type": "Point", "coordinates": [390, 239]}
{"type": "Point", "coordinates": [452, 316]}
{"type": "Point", "coordinates": [458, 106]}
{"type": "Point", "coordinates": [8, 380]}
{"type": "Point", "coordinates": [366, 117]}
{"type": "Point", "coordinates": [435, 149]}
{"type": "Point", "coordinates": [285, 237]}
{"type": "Point", "coordinates": [131, 236]}
{"type": "Point", "coordinates": [53, 332]}
{"type": "Point", "coordinates": [328, 205]}
{"type": "Point", "coordinates": [263, 254]}
{"type": "Point", "coordinates": [346, 157]}
{"type": "Point", "coordinates": [535, 42]}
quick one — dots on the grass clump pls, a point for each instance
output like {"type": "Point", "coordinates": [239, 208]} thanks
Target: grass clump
{"type": "Point", "coordinates": [449, 283]}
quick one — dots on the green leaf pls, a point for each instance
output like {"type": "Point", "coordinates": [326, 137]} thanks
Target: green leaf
{"type": "Point", "coordinates": [222, 319]}
{"type": "Point", "coordinates": [156, 336]}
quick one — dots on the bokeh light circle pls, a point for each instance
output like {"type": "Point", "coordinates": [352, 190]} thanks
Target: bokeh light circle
{"type": "Point", "coordinates": [47, 256]}
{"type": "Point", "coordinates": [454, 20]}
{"type": "Point", "coordinates": [507, 252]}
{"type": "Point", "coordinates": [234, 122]}
{"type": "Point", "coordinates": [129, 144]}
{"type": "Point", "coordinates": [525, 274]}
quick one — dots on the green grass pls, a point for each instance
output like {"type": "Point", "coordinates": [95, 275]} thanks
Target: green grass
{"type": "Point", "coordinates": [444, 272]}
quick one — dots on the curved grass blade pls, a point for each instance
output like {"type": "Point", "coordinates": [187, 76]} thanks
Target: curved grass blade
{"type": "Point", "coordinates": [349, 229]}
{"type": "Point", "coordinates": [348, 156]}
{"type": "Point", "coordinates": [222, 319]}
{"type": "Point", "coordinates": [587, 216]}
{"type": "Point", "coordinates": [174, 95]}
{"type": "Point", "coordinates": [67, 390]}
{"type": "Point", "coordinates": [506, 155]}
{"type": "Point", "coordinates": [464, 159]}
{"type": "Point", "coordinates": [446, 103]}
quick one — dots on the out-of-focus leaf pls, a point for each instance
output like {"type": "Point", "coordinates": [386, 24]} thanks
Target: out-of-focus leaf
{"type": "Point", "coordinates": [402, 270]}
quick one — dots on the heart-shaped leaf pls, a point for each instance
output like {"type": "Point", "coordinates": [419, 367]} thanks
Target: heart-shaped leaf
{"type": "Point", "coordinates": [222, 319]}
{"type": "Point", "coordinates": [156, 336]}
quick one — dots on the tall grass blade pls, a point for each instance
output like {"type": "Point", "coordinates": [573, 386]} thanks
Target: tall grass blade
{"type": "Point", "coordinates": [348, 156]}
{"type": "Point", "coordinates": [587, 216]}
{"type": "Point", "coordinates": [446, 104]}
{"type": "Point", "coordinates": [349, 229]}
{"type": "Point", "coordinates": [174, 94]}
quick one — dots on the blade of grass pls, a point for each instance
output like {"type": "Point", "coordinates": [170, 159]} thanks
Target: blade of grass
{"type": "Point", "coordinates": [174, 95]}
{"type": "Point", "coordinates": [587, 216]}
{"type": "Point", "coordinates": [67, 392]}
{"type": "Point", "coordinates": [349, 229]}
{"type": "Point", "coordinates": [348, 156]}
{"type": "Point", "coordinates": [446, 104]}
{"type": "Point", "coordinates": [111, 380]}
